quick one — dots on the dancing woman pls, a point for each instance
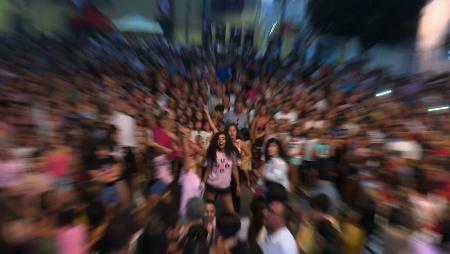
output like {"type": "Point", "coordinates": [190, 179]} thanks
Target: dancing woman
{"type": "Point", "coordinates": [221, 158]}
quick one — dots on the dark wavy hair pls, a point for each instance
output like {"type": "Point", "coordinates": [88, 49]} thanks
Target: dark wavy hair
{"type": "Point", "coordinates": [281, 151]}
{"type": "Point", "coordinates": [229, 148]}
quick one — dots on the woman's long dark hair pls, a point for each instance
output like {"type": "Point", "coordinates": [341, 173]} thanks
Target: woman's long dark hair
{"type": "Point", "coordinates": [229, 149]}
{"type": "Point", "coordinates": [281, 151]}
{"type": "Point", "coordinates": [195, 242]}
{"type": "Point", "coordinates": [153, 239]}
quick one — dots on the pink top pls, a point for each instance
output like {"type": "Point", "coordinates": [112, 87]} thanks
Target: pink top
{"type": "Point", "coordinates": [161, 137]}
{"type": "Point", "coordinates": [251, 95]}
{"type": "Point", "coordinates": [190, 188]}
{"type": "Point", "coordinates": [72, 240]}
{"type": "Point", "coordinates": [10, 173]}
{"type": "Point", "coordinates": [220, 176]}
{"type": "Point", "coordinates": [58, 164]}
{"type": "Point", "coordinates": [179, 153]}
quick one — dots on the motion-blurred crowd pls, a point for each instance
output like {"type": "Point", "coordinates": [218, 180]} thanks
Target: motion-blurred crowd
{"type": "Point", "coordinates": [131, 145]}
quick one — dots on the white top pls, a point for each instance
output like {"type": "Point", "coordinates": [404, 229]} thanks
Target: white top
{"type": "Point", "coordinates": [295, 146]}
{"type": "Point", "coordinates": [276, 170]}
{"type": "Point", "coordinates": [290, 117]}
{"type": "Point", "coordinates": [205, 137]}
{"type": "Point", "coordinates": [126, 126]}
{"type": "Point", "coordinates": [314, 124]}
{"type": "Point", "coordinates": [280, 242]}
{"type": "Point", "coordinates": [409, 149]}
{"type": "Point", "coordinates": [321, 105]}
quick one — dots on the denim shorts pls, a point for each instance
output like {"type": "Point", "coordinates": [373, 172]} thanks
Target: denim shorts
{"type": "Point", "coordinates": [63, 185]}
{"type": "Point", "coordinates": [110, 195]}
{"type": "Point", "coordinates": [158, 188]}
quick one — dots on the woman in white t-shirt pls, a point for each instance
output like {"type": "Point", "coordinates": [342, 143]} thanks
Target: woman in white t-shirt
{"type": "Point", "coordinates": [275, 172]}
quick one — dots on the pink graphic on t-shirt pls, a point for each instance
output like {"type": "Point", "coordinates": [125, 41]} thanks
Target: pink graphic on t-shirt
{"type": "Point", "coordinates": [220, 175]}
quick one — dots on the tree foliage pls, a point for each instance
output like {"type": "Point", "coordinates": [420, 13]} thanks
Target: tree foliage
{"type": "Point", "coordinates": [372, 21]}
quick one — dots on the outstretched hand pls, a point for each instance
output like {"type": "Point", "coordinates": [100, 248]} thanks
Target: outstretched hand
{"type": "Point", "coordinates": [205, 109]}
{"type": "Point", "coordinates": [183, 130]}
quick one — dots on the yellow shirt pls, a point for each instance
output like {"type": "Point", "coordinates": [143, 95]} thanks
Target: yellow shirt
{"type": "Point", "coordinates": [353, 237]}
{"type": "Point", "coordinates": [306, 239]}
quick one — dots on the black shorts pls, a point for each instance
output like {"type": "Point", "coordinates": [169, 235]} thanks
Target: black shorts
{"type": "Point", "coordinates": [217, 191]}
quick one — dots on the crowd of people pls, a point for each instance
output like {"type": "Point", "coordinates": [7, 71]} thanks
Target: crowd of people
{"type": "Point", "coordinates": [132, 145]}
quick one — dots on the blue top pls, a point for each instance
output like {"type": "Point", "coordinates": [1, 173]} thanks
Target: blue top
{"type": "Point", "coordinates": [223, 74]}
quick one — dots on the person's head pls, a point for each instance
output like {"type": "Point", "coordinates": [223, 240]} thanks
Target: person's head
{"type": "Point", "coordinates": [221, 141]}
{"type": "Point", "coordinates": [257, 206]}
{"type": "Point", "coordinates": [226, 101]}
{"type": "Point", "coordinates": [328, 237]}
{"type": "Point", "coordinates": [198, 125]}
{"type": "Point", "coordinates": [189, 113]}
{"type": "Point", "coordinates": [199, 116]}
{"type": "Point", "coordinates": [195, 209]}
{"type": "Point", "coordinates": [221, 126]}
{"type": "Point", "coordinates": [245, 134]}
{"type": "Point", "coordinates": [191, 125]}
{"type": "Point", "coordinates": [312, 133]}
{"type": "Point", "coordinates": [118, 234]}
{"type": "Point", "coordinates": [296, 130]}
{"type": "Point", "coordinates": [222, 63]}
{"type": "Point", "coordinates": [273, 82]}
{"type": "Point", "coordinates": [206, 126]}
{"type": "Point", "coordinates": [182, 119]}
{"type": "Point", "coordinates": [271, 125]}
{"type": "Point", "coordinates": [172, 104]}
{"type": "Point", "coordinates": [274, 149]}
{"type": "Point", "coordinates": [102, 148]}
{"type": "Point", "coordinates": [233, 131]}
{"type": "Point", "coordinates": [218, 110]}
{"type": "Point", "coordinates": [228, 225]}
{"type": "Point", "coordinates": [154, 238]}
{"type": "Point", "coordinates": [164, 121]}
{"type": "Point", "coordinates": [210, 212]}
{"type": "Point", "coordinates": [239, 106]}
{"type": "Point", "coordinates": [319, 204]}
{"type": "Point", "coordinates": [196, 240]}
{"type": "Point", "coordinates": [287, 107]}
{"type": "Point", "coordinates": [263, 111]}
{"type": "Point", "coordinates": [276, 216]}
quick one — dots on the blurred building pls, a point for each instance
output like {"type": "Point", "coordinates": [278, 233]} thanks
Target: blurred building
{"type": "Point", "coordinates": [250, 23]}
